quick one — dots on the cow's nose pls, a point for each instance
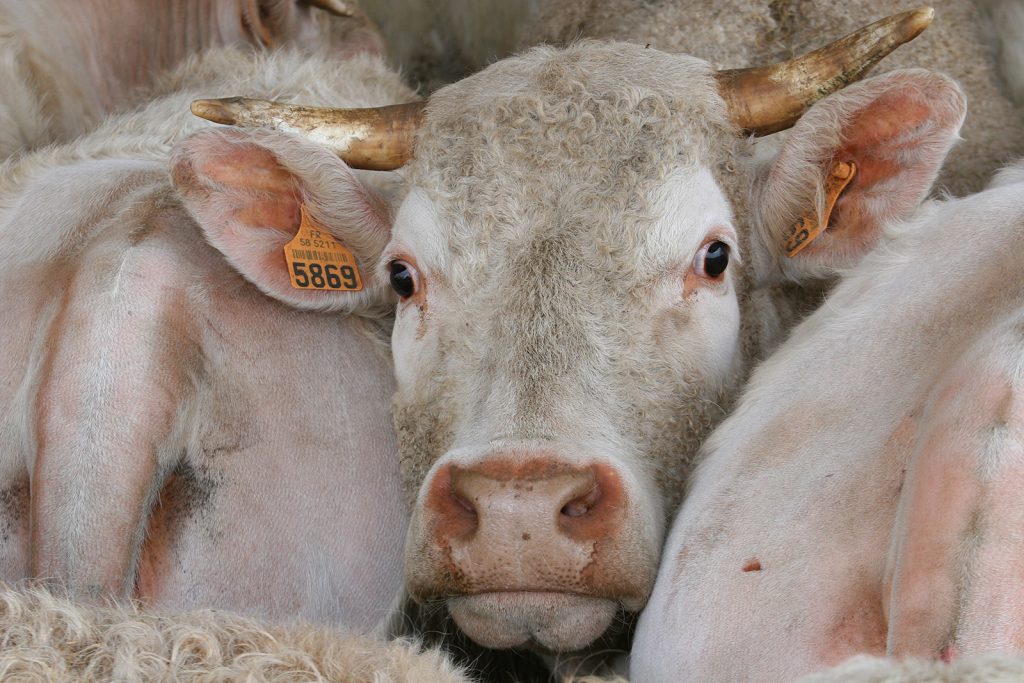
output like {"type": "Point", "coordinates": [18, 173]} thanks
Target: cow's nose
{"type": "Point", "coordinates": [522, 526]}
{"type": "Point", "coordinates": [508, 503]}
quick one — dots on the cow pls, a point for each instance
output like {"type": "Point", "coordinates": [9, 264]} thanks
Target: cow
{"type": "Point", "coordinates": [65, 64]}
{"type": "Point", "coordinates": [169, 432]}
{"type": "Point", "coordinates": [587, 261]}
{"type": "Point", "coordinates": [737, 32]}
{"type": "Point", "coordinates": [863, 497]}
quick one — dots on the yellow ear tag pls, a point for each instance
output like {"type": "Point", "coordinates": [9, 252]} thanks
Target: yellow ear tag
{"type": "Point", "coordinates": [317, 261]}
{"type": "Point", "coordinates": [807, 227]}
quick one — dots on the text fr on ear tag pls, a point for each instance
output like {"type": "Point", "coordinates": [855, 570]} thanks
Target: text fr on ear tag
{"type": "Point", "coordinates": [807, 227]}
{"type": "Point", "coordinates": [317, 261]}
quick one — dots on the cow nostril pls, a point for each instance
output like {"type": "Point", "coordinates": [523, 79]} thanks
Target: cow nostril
{"type": "Point", "coordinates": [464, 504]}
{"type": "Point", "coordinates": [459, 516]}
{"type": "Point", "coordinates": [581, 505]}
{"type": "Point", "coordinates": [575, 509]}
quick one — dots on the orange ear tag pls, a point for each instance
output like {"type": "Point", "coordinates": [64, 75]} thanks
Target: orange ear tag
{"type": "Point", "coordinates": [807, 227]}
{"type": "Point", "coordinates": [317, 261]}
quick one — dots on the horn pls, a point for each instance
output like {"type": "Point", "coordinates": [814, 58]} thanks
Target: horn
{"type": "Point", "coordinates": [768, 99]}
{"type": "Point", "coordinates": [338, 8]}
{"type": "Point", "coordinates": [376, 138]}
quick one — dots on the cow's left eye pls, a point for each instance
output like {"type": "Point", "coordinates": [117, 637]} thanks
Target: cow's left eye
{"type": "Point", "coordinates": [715, 259]}
{"type": "Point", "coordinates": [403, 279]}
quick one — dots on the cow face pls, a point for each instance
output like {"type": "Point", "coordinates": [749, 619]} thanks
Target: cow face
{"type": "Point", "coordinates": [583, 268]}
{"type": "Point", "coordinates": [568, 325]}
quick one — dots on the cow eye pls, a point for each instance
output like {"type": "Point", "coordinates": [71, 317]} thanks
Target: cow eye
{"type": "Point", "coordinates": [716, 259]}
{"type": "Point", "coordinates": [403, 279]}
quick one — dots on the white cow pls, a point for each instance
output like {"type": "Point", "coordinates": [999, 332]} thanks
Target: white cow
{"type": "Point", "coordinates": [588, 260]}
{"type": "Point", "coordinates": [864, 496]}
{"type": "Point", "coordinates": [66, 64]}
{"type": "Point", "coordinates": [167, 430]}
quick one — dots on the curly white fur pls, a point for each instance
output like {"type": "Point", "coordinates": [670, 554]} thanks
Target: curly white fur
{"type": "Point", "coordinates": [47, 638]}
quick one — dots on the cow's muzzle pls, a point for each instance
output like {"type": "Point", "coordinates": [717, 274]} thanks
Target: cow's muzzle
{"type": "Point", "coordinates": [559, 622]}
{"type": "Point", "coordinates": [530, 549]}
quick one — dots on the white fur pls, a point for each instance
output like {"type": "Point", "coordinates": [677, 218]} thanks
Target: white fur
{"type": "Point", "coordinates": [46, 638]}
{"type": "Point", "coordinates": [806, 475]}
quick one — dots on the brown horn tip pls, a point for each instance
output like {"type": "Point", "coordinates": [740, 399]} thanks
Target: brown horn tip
{"type": "Point", "coordinates": [768, 99]}
{"type": "Point", "coordinates": [218, 111]}
{"type": "Point", "coordinates": [374, 138]}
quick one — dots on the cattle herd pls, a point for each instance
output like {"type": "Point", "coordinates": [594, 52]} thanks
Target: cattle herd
{"type": "Point", "coordinates": [677, 340]}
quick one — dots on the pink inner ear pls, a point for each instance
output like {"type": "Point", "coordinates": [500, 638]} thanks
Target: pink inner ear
{"type": "Point", "coordinates": [270, 195]}
{"type": "Point", "coordinates": [254, 210]}
{"type": "Point", "coordinates": [881, 135]}
{"type": "Point", "coordinates": [889, 142]}
{"type": "Point", "coordinates": [246, 167]}
{"type": "Point", "coordinates": [246, 197]}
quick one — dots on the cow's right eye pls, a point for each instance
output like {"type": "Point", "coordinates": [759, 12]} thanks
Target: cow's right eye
{"type": "Point", "coordinates": [716, 259]}
{"type": "Point", "coordinates": [403, 279]}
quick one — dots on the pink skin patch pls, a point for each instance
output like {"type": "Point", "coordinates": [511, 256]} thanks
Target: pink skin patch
{"type": "Point", "coordinates": [99, 426]}
{"type": "Point", "coordinates": [958, 563]}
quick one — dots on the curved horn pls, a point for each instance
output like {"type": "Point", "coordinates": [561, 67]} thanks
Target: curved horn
{"type": "Point", "coordinates": [768, 99]}
{"type": "Point", "coordinates": [376, 138]}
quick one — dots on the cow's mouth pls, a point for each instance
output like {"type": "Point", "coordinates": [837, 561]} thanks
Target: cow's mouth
{"type": "Point", "coordinates": [559, 622]}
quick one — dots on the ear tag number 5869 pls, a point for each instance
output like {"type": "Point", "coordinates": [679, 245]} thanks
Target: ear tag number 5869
{"type": "Point", "coordinates": [317, 261]}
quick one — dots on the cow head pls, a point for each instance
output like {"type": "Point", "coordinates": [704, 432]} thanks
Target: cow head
{"type": "Point", "coordinates": [584, 267]}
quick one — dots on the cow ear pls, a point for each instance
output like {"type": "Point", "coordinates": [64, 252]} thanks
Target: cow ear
{"type": "Point", "coordinates": [248, 192]}
{"type": "Point", "coordinates": [272, 23]}
{"type": "Point", "coordinates": [857, 160]}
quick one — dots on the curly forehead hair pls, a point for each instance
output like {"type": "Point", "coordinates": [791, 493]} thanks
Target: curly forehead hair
{"type": "Point", "coordinates": [544, 169]}
{"type": "Point", "coordinates": [554, 128]}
